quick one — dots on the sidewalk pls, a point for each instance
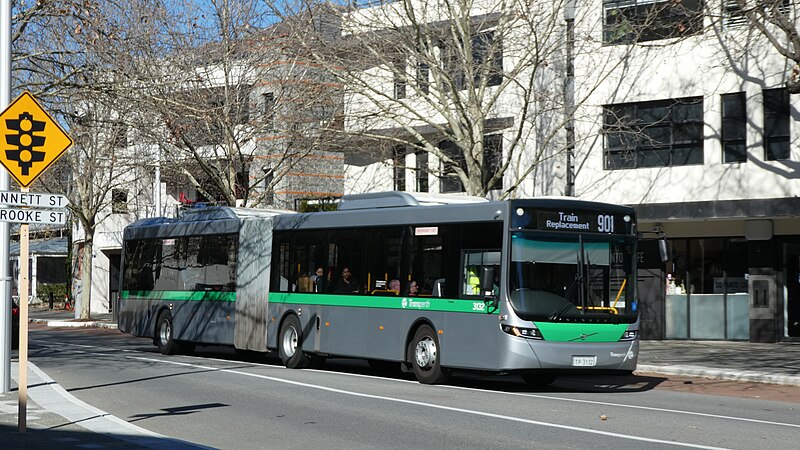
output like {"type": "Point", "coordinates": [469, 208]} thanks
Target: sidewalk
{"type": "Point", "coordinates": [63, 318]}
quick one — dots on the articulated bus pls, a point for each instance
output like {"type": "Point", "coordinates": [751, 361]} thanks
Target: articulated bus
{"type": "Point", "coordinates": [537, 287]}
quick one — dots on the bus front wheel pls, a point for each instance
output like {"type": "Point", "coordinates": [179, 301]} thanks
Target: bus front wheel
{"type": "Point", "coordinates": [425, 356]}
{"type": "Point", "coordinates": [165, 339]}
{"type": "Point", "coordinates": [290, 344]}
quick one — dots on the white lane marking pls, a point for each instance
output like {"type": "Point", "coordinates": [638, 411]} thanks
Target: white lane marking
{"type": "Point", "coordinates": [520, 394]}
{"type": "Point", "coordinates": [619, 405]}
{"type": "Point", "coordinates": [427, 405]}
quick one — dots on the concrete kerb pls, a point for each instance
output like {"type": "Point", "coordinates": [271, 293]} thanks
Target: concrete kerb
{"type": "Point", "coordinates": [721, 374]}
{"type": "Point", "coordinates": [75, 324]}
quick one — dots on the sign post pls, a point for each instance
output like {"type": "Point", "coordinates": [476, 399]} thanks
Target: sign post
{"type": "Point", "coordinates": [34, 141]}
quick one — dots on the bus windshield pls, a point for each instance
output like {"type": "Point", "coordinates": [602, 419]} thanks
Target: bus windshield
{"type": "Point", "coordinates": [570, 279]}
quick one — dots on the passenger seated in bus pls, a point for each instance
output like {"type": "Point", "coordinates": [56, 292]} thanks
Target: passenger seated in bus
{"type": "Point", "coordinates": [318, 278]}
{"type": "Point", "coordinates": [346, 284]}
{"type": "Point", "coordinates": [394, 285]}
{"type": "Point", "coordinates": [413, 289]}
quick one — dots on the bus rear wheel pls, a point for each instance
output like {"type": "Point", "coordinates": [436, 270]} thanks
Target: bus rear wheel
{"type": "Point", "coordinates": [290, 344]}
{"type": "Point", "coordinates": [425, 356]}
{"type": "Point", "coordinates": [165, 335]}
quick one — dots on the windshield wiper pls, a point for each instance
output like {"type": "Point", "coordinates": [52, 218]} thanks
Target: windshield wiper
{"type": "Point", "coordinates": [583, 273]}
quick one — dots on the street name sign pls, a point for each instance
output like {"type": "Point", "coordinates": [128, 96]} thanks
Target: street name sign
{"type": "Point", "coordinates": [33, 140]}
{"type": "Point", "coordinates": [16, 198]}
{"type": "Point", "coordinates": [46, 216]}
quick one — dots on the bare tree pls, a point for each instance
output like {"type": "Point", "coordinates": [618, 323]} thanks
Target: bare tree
{"type": "Point", "coordinates": [478, 85]}
{"type": "Point", "coordinates": [231, 110]}
{"type": "Point", "coordinates": [71, 62]}
{"type": "Point", "coordinates": [775, 20]}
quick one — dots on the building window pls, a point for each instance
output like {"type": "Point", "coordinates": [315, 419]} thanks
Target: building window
{"type": "Point", "coordinates": [422, 171]}
{"type": "Point", "coordinates": [119, 135]}
{"type": "Point", "coordinates": [776, 124]}
{"type": "Point", "coordinates": [487, 58]}
{"type": "Point", "coordinates": [400, 80]}
{"type": "Point", "coordinates": [449, 181]}
{"type": "Point", "coordinates": [733, 15]}
{"type": "Point", "coordinates": [268, 110]}
{"type": "Point", "coordinates": [492, 160]}
{"type": "Point", "coordinates": [653, 134]}
{"type": "Point", "coordinates": [734, 128]}
{"type": "Point", "coordinates": [628, 21]}
{"type": "Point", "coordinates": [399, 167]}
{"type": "Point", "coordinates": [488, 52]}
{"type": "Point", "coordinates": [423, 77]}
{"type": "Point", "coordinates": [119, 201]}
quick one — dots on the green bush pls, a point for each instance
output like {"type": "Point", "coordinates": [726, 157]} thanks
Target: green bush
{"type": "Point", "coordinates": [59, 291]}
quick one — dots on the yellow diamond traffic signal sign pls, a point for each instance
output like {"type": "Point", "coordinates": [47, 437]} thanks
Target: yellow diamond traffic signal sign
{"type": "Point", "coordinates": [31, 140]}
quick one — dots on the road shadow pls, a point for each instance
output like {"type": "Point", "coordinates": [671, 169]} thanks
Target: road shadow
{"type": "Point", "coordinates": [581, 383]}
{"type": "Point", "coordinates": [71, 437]}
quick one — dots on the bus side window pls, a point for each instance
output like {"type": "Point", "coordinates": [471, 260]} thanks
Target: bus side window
{"type": "Point", "coordinates": [472, 262]}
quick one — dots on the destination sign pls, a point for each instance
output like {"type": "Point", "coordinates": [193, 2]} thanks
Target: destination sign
{"type": "Point", "coordinates": [572, 221]}
{"type": "Point", "coordinates": [17, 198]}
{"type": "Point", "coordinates": [46, 216]}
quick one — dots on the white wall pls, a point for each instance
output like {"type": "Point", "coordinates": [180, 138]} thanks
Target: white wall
{"type": "Point", "coordinates": [719, 61]}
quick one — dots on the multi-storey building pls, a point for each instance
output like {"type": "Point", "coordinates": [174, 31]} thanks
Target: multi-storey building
{"type": "Point", "coordinates": [697, 130]}
{"type": "Point", "coordinates": [283, 157]}
{"type": "Point", "coordinates": [677, 108]}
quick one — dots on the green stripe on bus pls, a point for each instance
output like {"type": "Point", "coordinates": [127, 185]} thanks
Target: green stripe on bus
{"type": "Point", "coordinates": [191, 296]}
{"type": "Point", "coordinates": [581, 332]}
{"type": "Point", "coordinates": [388, 302]}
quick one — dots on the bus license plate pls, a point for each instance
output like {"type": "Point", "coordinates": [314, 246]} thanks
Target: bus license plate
{"type": "Point", "coordinates": [584, 361]}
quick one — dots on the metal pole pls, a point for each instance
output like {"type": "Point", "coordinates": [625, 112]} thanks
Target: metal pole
{"type": "Point", "coordinates": [5, 277]}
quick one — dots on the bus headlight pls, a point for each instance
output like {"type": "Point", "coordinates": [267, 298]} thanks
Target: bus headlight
{"type": "Point", "coordinates": [529, 333]}
{"type": "Point", "coordinates": [629, 335]}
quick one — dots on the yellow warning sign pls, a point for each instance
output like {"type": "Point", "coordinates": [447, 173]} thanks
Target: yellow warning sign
{"type": "Point", "coordinates": [32, 141]}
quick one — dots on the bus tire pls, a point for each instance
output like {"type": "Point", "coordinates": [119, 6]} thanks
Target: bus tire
{"type": "Point", "coordinates": [425, 356]}
{"type": "Point", "coordinates": [165, 334]}
{"type": "Point", "coordinates": [290, 344]}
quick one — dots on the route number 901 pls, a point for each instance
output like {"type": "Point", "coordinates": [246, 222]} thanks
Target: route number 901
{"type": "Point", "coordinates": [605, 223]}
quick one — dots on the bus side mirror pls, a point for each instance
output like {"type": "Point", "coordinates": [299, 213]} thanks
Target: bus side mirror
{"type": "Point", "coordinates": [487, 280]}
{"type": "Point", "coordinates": [662, 250]}
{"type": "Point", "coordinates": [487, 288]}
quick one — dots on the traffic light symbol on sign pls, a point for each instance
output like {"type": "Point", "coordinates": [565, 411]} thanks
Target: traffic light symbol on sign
{"type": "Point", "coordinates": [30, 140]}
{"type": "Point", "coordinates": [25, 153]}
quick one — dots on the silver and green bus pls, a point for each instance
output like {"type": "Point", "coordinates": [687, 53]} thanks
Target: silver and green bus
{"type": "Point", "coordinates": [537, 287]}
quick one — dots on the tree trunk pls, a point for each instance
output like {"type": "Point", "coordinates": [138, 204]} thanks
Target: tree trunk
{"type": "Point", "coordinates": [86, 276]}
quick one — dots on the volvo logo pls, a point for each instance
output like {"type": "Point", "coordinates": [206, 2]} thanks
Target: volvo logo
{"type": "Point", "coordinates": [583, 337]}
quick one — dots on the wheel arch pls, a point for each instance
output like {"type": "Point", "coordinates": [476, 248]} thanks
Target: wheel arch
{"type": "Point", "coordinates": [412, 330]}
{"type": "Point", "coordinates": [157, 312]}
{"type": "Point", "coordinates": [284, 315]}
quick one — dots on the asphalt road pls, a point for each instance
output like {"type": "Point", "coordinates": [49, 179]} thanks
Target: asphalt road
{"type": "Point", "coordinates": [220, 399]}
